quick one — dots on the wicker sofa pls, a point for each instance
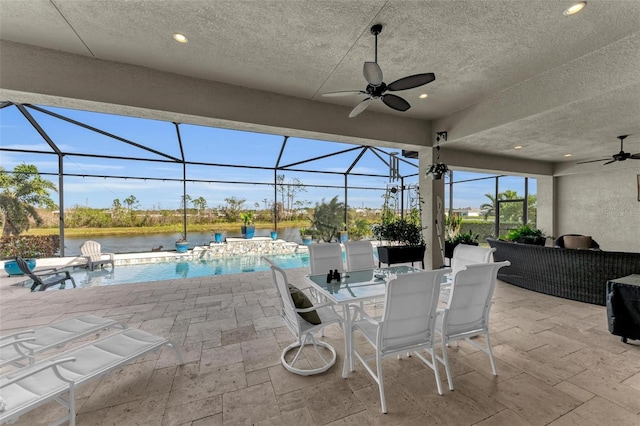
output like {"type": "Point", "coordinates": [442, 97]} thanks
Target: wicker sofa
{"type": "Point", "coordinates": [572, 274]}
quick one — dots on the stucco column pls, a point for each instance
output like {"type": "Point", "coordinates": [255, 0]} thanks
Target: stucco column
{"type": "Point", "coordinates": [545, 205]}
{"type": "Point", "coordinates": [432, 197]}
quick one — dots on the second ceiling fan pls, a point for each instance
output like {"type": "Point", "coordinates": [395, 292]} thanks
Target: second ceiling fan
{"type": "Point", "coordinates": [377, 89]}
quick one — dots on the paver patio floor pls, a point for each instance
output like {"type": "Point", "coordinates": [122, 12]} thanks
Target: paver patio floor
{"type": "Point", "coordinates": [557, 363]}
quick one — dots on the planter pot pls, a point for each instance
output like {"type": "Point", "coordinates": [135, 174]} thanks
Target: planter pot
{"type": "Point", "coordinates": [218, 237]}
{"type": "Point", "coordinates": [306, 240]}
{"type": "Point", "coordinates": [182, 247]}
{"type": "Point", "coordinates": [343, 236]}
{"type": "Point", "coordinates": [248, 231]}
{"type": "Point", "coordinates": [274, 235]}
{"type": "Point", "coordinates": [449, 247]}
{"type": "Point", "coordinates": [401, 254]}
{"type": "Point", "coordinates": [11, 267]}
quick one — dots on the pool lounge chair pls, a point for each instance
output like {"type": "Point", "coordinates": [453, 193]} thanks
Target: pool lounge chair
{"type": "Point", "coordinates": [15, 348]}
{"type": "Point", "coordinates": [44, 280]}
{"type": "Point", "coordinates": [32, 386]}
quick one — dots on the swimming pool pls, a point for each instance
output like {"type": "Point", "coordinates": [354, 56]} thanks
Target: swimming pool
{"type": "Point", "coordinates": [131, 274]}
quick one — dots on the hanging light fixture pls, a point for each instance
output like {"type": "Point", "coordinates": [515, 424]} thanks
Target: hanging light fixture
{"type": "Point", "coordinates": [438, 169]}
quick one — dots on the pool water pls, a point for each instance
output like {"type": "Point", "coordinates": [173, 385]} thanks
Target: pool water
{"type": "Point", "coordinates": [130, 274]}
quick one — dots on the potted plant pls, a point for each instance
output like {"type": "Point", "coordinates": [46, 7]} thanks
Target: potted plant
{"type": "Point", "coordinates": [248, 230]}
{"type": "Point", "coordinates": [218, 237]}
{"type": "Point", "coordinates": [526, 235]}
{"type": "Point", "coordinates": [437, 170]}
{"type": "Point", "coordinates": [182, 245]}
{"type": "Point", "coordinates": [468, 238]}
{"type": "Point", "coordinates": [306, 236]}
{"type": "Point", "coordinates": [343, 236]}
{"type": "Point", "coordinates": [400, 241]}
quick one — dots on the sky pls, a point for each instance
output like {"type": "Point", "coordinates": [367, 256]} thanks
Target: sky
{"type": "Point", "coordinates": [99, 181]}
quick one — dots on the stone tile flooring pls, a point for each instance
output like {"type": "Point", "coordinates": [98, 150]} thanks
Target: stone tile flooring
{"type": "Point", "coordinates": [557, 363]}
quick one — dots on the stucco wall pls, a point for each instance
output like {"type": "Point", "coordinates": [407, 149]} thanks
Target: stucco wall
{"type": "Point", "coordinates": [603, 204]}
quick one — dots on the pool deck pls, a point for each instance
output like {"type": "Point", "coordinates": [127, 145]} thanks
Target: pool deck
{"type": "Point", "coordinates": [557, 364]}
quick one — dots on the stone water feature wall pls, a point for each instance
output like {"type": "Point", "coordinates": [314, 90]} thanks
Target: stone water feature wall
{"type": "Point", "coordinates": [256, 246]}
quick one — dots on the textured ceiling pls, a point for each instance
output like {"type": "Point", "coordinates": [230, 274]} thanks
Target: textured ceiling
{"type": "Point", "coordinates": [556, 84]}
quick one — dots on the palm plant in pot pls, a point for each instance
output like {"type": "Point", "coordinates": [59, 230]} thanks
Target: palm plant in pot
{"type": "Point", "coordinates": [248, 229]}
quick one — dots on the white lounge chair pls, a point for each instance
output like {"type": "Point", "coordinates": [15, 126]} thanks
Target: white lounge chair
{"type": "Point", "coordinates": [26, 344]}
{"type": "Point", "coordinates": [32, 386]}
{"type": "Point", "coordinates": [92, 252]}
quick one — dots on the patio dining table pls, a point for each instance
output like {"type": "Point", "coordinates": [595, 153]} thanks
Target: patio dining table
{"type": "Point", "coordinates": [354, 288]}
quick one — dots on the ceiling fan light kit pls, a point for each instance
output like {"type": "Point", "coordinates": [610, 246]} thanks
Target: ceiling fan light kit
{"type": "Point", "coordinates": [377, 89]}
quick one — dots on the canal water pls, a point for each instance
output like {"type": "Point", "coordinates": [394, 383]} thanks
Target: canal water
{"type": "Point", "coordinates": [144, 243]}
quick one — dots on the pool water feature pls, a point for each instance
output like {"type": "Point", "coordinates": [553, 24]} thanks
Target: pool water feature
{"type": "Point", "coordinates": [131, 274]}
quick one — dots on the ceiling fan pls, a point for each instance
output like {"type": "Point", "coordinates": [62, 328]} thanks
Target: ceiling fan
{"type": "Point", "coordinates": [621, 156]}
{"type": "Point", "coordinates": [376, 88]}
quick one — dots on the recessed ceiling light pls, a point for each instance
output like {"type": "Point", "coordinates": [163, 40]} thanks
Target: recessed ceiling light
{"type": "Point", "coordinates": [568, 155]}
{"type": "Point", "coordinates": [577, 7]}
{"type": "Point", "coordinates": [423, 96]}
{"type": "Point", "coordinates": [517, 147]}
{"type": "Point", "coordinates": [180, 38]}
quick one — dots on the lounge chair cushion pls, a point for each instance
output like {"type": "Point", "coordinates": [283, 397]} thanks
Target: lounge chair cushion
{"type": "Point", "coordinates": [301, 301]}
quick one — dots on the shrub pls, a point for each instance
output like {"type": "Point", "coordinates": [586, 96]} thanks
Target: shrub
{"type": "Point", "coordinates": [29, 246]}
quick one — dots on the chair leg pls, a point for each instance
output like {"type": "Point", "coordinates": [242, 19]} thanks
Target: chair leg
{"type": "Point", "coordinates": [383, 402]}
{"type": "Point", "coordinates": [490, 352]}
{"type": "Point", "coordinates": [446, 364]}
{"type": "Point", "coordinates": [436, 371]}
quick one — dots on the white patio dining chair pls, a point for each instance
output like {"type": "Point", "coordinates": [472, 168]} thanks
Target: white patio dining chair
{"type": "Point", "coordinates": [322, 259]}
{"type": "Point", "coordinates": [359, 255]}
{"type": "Point", "coordinates": [325, 257]}
{"type": "Point", "coordinates": [303, 319]}
{"type": "Point", "coordinates": [407, 324]}
{"type": "Point", "coordinates": [467, 312]}
{"type": "Point", "coordinates": [92, 252]}
{"type": "Point", "coordinates": [464, 255]}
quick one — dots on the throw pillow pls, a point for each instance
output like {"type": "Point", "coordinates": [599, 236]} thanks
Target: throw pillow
{"type": "Point", "coordinates": [580, 242]}
{"type": "Point", "coordinates": [301, 301]}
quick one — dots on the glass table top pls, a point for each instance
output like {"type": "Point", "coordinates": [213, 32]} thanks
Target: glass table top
{"type": "Point", "coordinates": [356, 285]}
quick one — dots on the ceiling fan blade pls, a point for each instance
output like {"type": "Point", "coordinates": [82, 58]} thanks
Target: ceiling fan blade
{"type": "Point", "coordinates": [395, 102]}
{"type": "Point", "coordinates": [610, 161]}
{"type": "Point", "coordinates": [372, 73]}
{"type": "Point", "coordinates": [595, 161]}
{"type": "Point", "coordinates": [360, 107]}
{"type": "Point", "coordinates": [345, 93]}
{"type": "Point", "coordinates": [411, 81]}
{"type": "Point", "coordinates": [635, 156]}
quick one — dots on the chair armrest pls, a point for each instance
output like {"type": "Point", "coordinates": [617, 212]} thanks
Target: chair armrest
{"type": "Point", "coordinates": [365, 316]}
{"type": "Point", "coordinates": [21, 349]}
{"type": "Point", "coordinates": [21, 374]}
{"type": "Point", "coordinates": [43, 271]}
{"type": "Point", "coordinates": [17, 342]}
{"type": "Point", "coordinates": [16, 334]}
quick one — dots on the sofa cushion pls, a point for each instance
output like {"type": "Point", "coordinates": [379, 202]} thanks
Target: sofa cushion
{"type": "Point", "coordinates": [580, 242]}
